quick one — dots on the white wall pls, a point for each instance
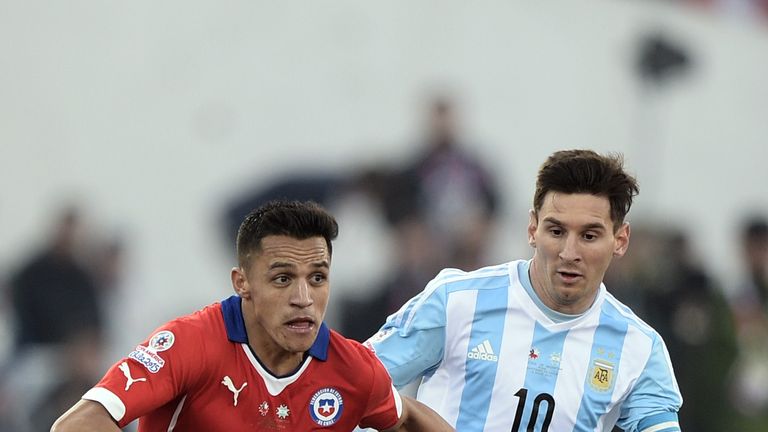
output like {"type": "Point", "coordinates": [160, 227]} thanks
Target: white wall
{"type": "Point", "coordinates": [155, 113]}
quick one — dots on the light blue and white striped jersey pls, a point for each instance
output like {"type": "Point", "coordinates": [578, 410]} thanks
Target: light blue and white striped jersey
{"type": "Point", "coordinates": [490, 359]}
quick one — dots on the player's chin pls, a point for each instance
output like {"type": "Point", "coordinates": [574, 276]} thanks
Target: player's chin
{"type": "Point", "coordinates": [298, 346]}
{"type": "Point", "coordinates": [300, 339]}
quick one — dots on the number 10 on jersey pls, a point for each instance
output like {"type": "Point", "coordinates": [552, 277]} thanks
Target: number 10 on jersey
{"type": "Point", "coordinates": [531, 424]}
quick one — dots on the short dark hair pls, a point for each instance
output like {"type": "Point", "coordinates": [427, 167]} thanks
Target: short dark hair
{"type": "Point", "coordinates": [585, 171]}
{"type": "Point", "coordinates": [297, 219]}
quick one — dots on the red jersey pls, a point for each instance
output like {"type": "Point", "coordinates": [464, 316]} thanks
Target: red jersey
{"type": "Point", "coordinates": [197, 373]}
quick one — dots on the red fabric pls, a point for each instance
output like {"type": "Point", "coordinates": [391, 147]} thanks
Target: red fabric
{"type": "Point", "coordinates": [201, 356]}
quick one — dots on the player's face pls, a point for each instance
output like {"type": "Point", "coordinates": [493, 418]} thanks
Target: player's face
{"type": "Point", "coordinates": [286, 290]}
{"type": "Point", "coordinates": [574, 242]}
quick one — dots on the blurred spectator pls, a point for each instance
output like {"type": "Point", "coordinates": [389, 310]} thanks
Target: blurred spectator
{"type": "Point", "coordinates": [54, 296]}
{"type": "Point", "coordinates": [751, 298]}
{"type": "Point", "coordinates": [750, 306]}
{"type": "Point", "coordinates": [56, 299]}
{"type": "Point", "coordinates": [680, 300]}
{"type": "Point", "coordinates": [441, 208]}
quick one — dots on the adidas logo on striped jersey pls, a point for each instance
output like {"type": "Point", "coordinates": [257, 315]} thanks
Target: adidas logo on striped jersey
{"type": "Point", "coordinates": [484, 351]}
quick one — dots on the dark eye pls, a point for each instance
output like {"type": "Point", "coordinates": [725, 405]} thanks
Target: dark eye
{"type": "Point", "coordinates": [318, 278]}
{"type": "Point", "coordinates": [282, 280]}
{"type": "Point", "coordinates": [590, 236]}
{"type": "Point", "coordinates": [557, 232]}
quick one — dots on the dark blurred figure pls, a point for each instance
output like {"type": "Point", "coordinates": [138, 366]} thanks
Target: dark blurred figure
{"type": "Point", "coordinates": [447, 190]}
{"type": "Point", "coordinates": [750, 306]}
{"type": "Point", "coordinates": [441, 208]}
{"type": "Point", "coordinates": [680, 300]}
{"type": "Point", "coordinates": [57, 300]}
{"type": "Point", "coordinates": [54, 296]}
{"type": "Point", "coordinates": [752, 293]}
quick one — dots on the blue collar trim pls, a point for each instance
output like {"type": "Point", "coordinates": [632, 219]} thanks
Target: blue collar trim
{"type": "Point", "coordinates": [235, 325]}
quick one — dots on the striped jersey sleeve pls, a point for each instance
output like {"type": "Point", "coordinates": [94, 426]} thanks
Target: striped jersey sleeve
{"type": "Point", "coordinates": [411, 342]}
{"type": "Point", "coordinates": [653, 402]}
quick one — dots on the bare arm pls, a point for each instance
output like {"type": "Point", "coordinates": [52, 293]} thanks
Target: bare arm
{"type": "Point", "coordinates": [85, 416]}
{"type": "Point", "coordinates": [417, 417]}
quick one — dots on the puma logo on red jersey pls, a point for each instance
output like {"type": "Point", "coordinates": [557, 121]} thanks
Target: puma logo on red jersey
{"type": "Point", "coordinates": [129, 379]}
{"type": "Point", "coordinates": [227, 381]}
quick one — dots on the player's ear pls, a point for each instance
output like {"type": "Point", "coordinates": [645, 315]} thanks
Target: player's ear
{"type": "Point", "coordinates": [533, 223]}
{"type": "Point", "coordinates": [621, 240]}
{"type": "Point", "coordinates": [240, 282]}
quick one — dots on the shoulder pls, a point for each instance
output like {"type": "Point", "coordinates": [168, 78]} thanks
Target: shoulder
{"type": "Point", "coordinates": [490, 277]}
{"type": "Point", "coordinates": [428, 308]}
{"type": "Point", "coordinates": [184, 337]}
{"type": "Point", "coordinates": [642, 340]}
{"type": "Point", "coordinates": [204, 322]}
{"type": "Point", "coordinates": [347, 355]}
{"type": "Point", "coordinates": [623, 315]}
{"type": "Point", "coordinates": [349, 351]}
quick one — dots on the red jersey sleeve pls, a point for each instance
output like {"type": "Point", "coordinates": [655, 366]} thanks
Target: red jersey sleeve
{"type": "Point", "coordinates": [155, 373]}
{"type": "Point", "coordinates": [384, 404]}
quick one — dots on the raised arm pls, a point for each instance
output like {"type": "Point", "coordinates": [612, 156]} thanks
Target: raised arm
{"type": "Point", "coordinates": [417, 417]}
{"type": "Point", "coordinates": [85, 416]}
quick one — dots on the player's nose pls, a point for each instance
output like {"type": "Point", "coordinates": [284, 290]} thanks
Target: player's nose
{"type": "Point", "coordinates": [301, 295]}
{"type": "Point", "coordinates": [569, 251]}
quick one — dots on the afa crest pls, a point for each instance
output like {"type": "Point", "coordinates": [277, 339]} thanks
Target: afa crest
{"type": "Point", "coordinates": [601, 376]}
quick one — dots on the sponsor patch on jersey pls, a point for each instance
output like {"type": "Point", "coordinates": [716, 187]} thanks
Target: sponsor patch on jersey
{"type": "Point", "coordinates": [148, 358]}
{"type": "Point", "coordinates": [378, 337]}
{"type": "Point", "coordinates": [601, 375]}
{"type": "Point", "coordinates": [325, 406]}
{"type": "Point", "coordinates": [161, 341]}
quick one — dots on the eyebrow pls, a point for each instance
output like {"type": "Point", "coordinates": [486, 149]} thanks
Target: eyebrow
{"type": "Point", "coordinates": [593, 225]}
{"type": "Point", "coordinates": [282, 265]}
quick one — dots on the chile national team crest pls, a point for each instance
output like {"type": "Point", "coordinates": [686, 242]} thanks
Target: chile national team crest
{"type": "Point", "coordinates": [325, 406]}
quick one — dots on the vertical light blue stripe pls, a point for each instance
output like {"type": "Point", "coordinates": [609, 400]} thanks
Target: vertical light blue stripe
{"type": "Point", "coordinates": [606, 349]}
{"type": "Point", "coordinates": [488, 323]}
{"type": "Point", "coordinates": [541, 374]}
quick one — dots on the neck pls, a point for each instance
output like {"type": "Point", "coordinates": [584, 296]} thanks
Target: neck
{"type": "Point", "coordinates": [537, 282]}
{"type": "Point", "coordinates": [275, 358]}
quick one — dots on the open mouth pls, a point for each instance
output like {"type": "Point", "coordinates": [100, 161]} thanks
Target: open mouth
{"type": "Point", "coordinates": [568, 276]}
{"type": "Point", "coordinates": [301, 324]}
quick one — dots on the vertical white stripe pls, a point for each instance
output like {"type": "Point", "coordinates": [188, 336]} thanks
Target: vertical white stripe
{"type": "Point", "coordinates": [634, 356]}
{"type": "Point", "coordinates": [442, 391]}
{"type": "Point", "coordinates": [669, 365]}
{"type": "Point", "coordinates": [176, 414]}
{"type": "Point", "coordinates": [513, 359]}
{"type": "Point", "coordinates": [574, 367]}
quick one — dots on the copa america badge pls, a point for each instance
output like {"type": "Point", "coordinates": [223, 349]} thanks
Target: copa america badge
{"type": "Point", "coordinates": [161, 341]}
{"type": "Point", "coordinates": [325, 406]}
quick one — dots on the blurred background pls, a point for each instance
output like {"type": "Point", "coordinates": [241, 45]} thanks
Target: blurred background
{"type": "Point", "coordinates": [134, 137]}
